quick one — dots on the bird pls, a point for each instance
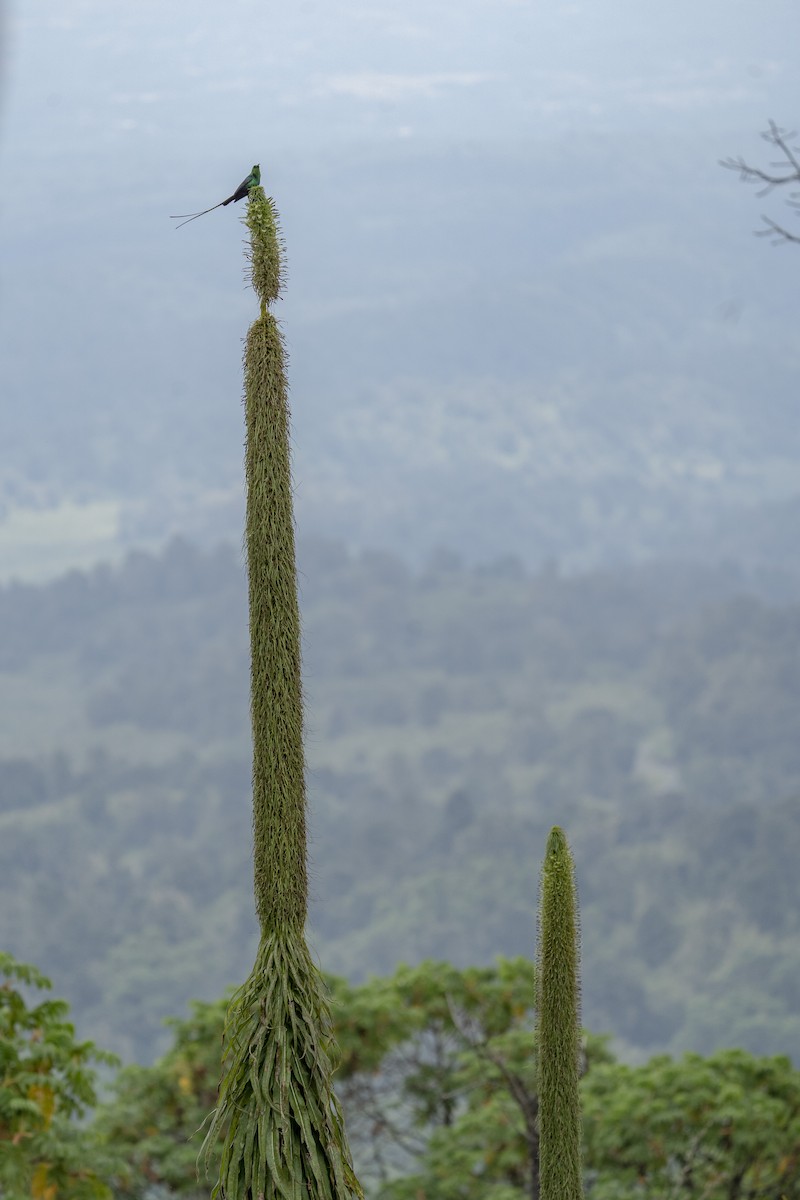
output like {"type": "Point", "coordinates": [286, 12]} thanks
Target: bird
{"type": "Point", "coordinates": [252, 180]}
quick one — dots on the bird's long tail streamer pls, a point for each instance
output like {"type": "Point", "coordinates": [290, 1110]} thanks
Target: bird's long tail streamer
{"type": "Point", "coordinates": [192, 216]}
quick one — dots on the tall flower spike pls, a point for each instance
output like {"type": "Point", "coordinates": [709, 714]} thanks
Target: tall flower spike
{"type": "Point", "coordinates": [281, 1125]}
{"type": "Point", "coordinates": [558, 1026]}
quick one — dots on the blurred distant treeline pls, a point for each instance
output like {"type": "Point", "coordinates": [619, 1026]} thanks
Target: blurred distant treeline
{"type": "Point", "coordinates": [453, 715]}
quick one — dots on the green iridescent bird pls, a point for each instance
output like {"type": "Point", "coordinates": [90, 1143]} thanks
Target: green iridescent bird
{"type": "Point", "coordinates": [253, 180]}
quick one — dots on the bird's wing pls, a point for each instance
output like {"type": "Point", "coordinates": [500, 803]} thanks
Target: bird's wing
{"type": "Point", "coordinates": [241, 191]}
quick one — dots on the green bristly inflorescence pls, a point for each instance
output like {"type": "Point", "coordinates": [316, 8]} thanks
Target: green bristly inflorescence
{"type": "Point", "coordinates": [279, 805]}
{"type": "Point", "coordinates": [264, 251]}
{"type": "Point", "coordinates": [284, 1135]}
{"type": "Point", "coordinates": [558, 1026]}
{"type": "Point", "coordinates": [281, 1125]}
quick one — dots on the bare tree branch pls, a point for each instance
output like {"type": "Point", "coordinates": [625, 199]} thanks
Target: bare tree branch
{"type": "Point", "coordinates": [776, 232]}
{"type": "Point", "coordinates": [788, 168]}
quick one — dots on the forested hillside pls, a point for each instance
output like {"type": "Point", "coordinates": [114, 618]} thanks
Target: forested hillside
{"type": "Point", "coordinates": [454, 715]}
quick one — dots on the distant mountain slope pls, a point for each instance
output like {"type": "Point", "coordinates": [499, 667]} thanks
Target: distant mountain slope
{"type": "Point", "coordinates": [453, 715]}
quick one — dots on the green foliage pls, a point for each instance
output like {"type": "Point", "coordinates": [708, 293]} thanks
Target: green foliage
{"type": "Point", "coordinates": [436, 1076]}
{"type": "Point", "coordinates": [718, 1128]}
{"type": "Point", "coordinates": [409, 1043]}
{"type": "Point", "coordinates": [437, 1082]}
{"type": "Point", "coordinates": [558, 1026]}
{"type": "Point", "coordinates": [155, 1116]}
{"type": "Point", "coordinates": [47, 1083]}
{"type": "Point", "coordinates": [438, 1079]}
{"type": "Point", "coordinates": [461, 1083]}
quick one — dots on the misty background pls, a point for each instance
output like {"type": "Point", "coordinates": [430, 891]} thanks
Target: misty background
{"type": "Point", "coordinates": [536, 359]}
{"type": "Point", "coordinates": [525, 310]}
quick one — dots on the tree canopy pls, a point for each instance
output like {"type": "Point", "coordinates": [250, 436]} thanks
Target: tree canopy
{"type": "Point", "coordinates": [47, 1084]}
{"type": "Point", "coordinates": [725, 1127]}
{"type": "Point", "coordinates": [437, 1080]}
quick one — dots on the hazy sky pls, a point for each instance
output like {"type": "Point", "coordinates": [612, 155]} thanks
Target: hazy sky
{"type": "Point", "coordinates": [117, 114]}
{"type": "Point", "coordinates": [162, 102]}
